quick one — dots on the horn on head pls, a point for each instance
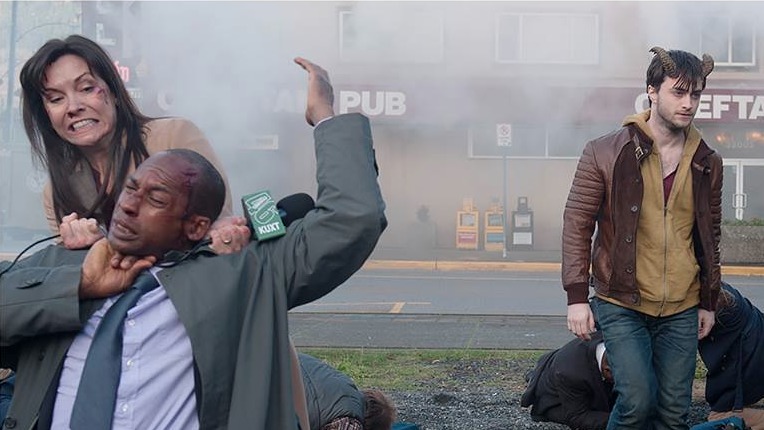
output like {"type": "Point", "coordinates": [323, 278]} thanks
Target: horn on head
{"type": "Point", "coordinates": [668, 64]}
{"type": "Point", "coordinates": [708, 64]}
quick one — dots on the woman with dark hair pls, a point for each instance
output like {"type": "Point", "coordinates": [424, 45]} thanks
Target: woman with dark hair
{"type": "Point", "coordinates": [734, 355]}
{"type": "Point", "coordinates": [88, 133]}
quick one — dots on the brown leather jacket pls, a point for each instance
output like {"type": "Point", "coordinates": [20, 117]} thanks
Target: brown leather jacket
{"type": "Point", "coordinates": [606, 194]}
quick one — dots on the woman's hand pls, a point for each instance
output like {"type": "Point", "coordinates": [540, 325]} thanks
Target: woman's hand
{"type": "Point", "coordinates": [79, 233]}
{"type": "Point", "coordinates": [229, 235]}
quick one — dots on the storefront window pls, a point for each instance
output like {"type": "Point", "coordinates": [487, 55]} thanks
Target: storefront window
{"type": "Point", "coordinates": [535, 140]}
{"type": "Point", "coordinates": [731, 40]}
{"type": "Point", "coordinates": [735, 141]}
{"type": "Point", "coordinates": [528, 140]}
{"type": "Point", "coordinates": [569, 140]}
{"type": "Point", "coordinates": [383, 35]}
{"type": "Point", "coordinates": [538, 38]}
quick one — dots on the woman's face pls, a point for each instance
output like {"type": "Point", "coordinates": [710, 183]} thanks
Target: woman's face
{"type": "Point", "coordinates": [79, 104]}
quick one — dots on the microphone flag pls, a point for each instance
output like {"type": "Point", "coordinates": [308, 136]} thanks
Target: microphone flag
{"type": "Point", "coordinates": [262, 215]}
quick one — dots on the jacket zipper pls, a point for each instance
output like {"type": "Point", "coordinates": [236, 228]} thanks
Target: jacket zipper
{"type": "Point", "coordinates": [665, 239]}
{"type": "Point", "coordinates": [665, 259]}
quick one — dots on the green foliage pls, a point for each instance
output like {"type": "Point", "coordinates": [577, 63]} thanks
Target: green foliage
{"type": "Point", "coordinates": [700, 369]}
{"type": "Point", "coordinates": [409, 369]}
{"type": "Point", "coordinates": [405, 369]}
{"type": "Point", "coordinates": [759, 222]}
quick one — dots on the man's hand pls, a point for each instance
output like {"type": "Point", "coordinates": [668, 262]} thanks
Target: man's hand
{"type": "Point", "coordinates": [581, 320]}
{"type": "Point", "coordinates": [101, 277]}
{"type": "Point", "coordinates": [706, 320]}
{"type": "Point", "coordinates": [79, 233]}
{"type": "Point", "coordinates": [320, 92]}
{"type": "Point", "coordinates": [229, 235]}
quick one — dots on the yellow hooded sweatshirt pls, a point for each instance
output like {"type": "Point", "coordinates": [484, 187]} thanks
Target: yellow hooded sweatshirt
{"type": "Point", "coordinates": [666, 269]}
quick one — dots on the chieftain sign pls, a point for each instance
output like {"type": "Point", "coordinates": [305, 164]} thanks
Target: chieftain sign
{"type": "Point", "coordinates": [720, 106]}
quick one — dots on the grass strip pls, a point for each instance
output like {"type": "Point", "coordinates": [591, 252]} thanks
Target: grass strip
{"type": "Point", "coordinates": [412, 369]}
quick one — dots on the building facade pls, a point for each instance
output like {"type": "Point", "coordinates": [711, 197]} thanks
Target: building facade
{"type": "Point", "coordinates": [490, 102]}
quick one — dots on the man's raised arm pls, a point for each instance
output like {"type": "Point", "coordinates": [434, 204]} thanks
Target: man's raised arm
{"type": "Point", "coordinates": [333, 241]}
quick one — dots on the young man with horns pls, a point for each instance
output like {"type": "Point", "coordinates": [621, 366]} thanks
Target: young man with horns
{"type": "Point", "coordinates": [652, 190]}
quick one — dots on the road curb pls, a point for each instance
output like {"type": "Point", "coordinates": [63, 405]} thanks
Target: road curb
{"type": "Point", "coordinates": [743, 270]}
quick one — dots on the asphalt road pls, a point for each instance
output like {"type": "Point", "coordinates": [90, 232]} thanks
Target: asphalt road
{"type": "Point", "coordinates": [453, 304]}
{"type": "Point", "coordinates": [454, 309]}
{"type": "Point", "coordinates": [467, 292]}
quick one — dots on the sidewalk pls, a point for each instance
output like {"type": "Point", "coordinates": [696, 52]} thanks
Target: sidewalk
{"type": "Point", "coordinates": [455, 259]}
{"type": "Point", "coordinates": [425, 331]}
{"type": "Point", "coordinates": [442, 254]}
{"type": "Point", "coordinates": [519, 261]}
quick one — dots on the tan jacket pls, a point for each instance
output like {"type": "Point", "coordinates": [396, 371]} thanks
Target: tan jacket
{"type": "Point", "coordinates": [607, 194]}
{"type": "Point", "coordinates": [161, 134]}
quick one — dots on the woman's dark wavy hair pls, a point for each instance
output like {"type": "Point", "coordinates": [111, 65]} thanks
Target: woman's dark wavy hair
{"type": "Point", "coordinates": [59, 156]}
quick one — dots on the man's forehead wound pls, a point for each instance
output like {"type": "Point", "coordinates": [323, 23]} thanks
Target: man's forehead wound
{"type": "Point", "coordinates": [189, 177]}
{"type": "Point", "coordinates": [178, 170]}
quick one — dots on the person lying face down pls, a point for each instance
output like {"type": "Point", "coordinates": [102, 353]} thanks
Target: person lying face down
{"type": "Point", "coordinates": [734, 356]}
{"type": "Point", "coordinates": [335, 402]}
{"type": "Point", "coordinates": [572, 385]}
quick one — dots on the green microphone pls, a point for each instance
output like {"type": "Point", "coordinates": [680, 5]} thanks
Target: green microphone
{"type": "Point", "coordinates": [262, 215]}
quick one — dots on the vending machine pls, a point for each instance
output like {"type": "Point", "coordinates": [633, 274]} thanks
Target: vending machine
{"type": "Point", "coordinates": [522, 225]}
{"type": "Point", "coordinates": [494, 228]}
{"type": "Point", "coordinates": [467, 226]}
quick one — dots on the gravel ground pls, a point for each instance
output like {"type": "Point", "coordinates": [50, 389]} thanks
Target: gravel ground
{"type": "Point", "coordinates": [484, 395]}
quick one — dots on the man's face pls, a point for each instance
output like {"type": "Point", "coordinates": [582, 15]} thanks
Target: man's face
{"type": "Point", "coordinates": [675, 107]}
{"type": "Point", "coordinates": [150, 214]}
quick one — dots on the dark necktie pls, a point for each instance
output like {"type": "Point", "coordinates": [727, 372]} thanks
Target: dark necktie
{"type": "Point", "coordinates": [97, 393]}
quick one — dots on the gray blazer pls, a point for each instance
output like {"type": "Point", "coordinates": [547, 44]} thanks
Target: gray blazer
{"type": "Point", "coordinates": [233, 307]}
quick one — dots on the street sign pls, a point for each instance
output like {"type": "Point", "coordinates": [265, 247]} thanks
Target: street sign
{"type": "Point", "coordinates": [504, 134]}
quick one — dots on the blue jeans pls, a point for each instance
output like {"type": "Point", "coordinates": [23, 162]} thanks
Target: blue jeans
{"type": "Point", "coordinates": [653, 365]}
{"type": "Point", "coordinates": [6, 395]}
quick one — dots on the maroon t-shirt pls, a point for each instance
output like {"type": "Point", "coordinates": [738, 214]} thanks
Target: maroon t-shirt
{"type": "Point", "coordinates": [668, 182]}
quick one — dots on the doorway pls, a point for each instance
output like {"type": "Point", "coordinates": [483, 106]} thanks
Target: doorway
{"type": "Point", "coordinates": [743, 193]}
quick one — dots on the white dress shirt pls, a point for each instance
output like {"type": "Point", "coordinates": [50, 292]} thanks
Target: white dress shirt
{"type": "Point", "coordinates": [156, 387]}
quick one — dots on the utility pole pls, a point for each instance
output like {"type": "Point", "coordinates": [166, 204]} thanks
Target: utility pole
{"type": "Point", "coordinates": [504, 141]}
{"type": "Point", "coordinates": [504, 202]}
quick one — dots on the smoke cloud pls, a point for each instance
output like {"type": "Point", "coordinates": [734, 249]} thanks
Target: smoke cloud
{"type": "Point", "coordinates": [435, 78]}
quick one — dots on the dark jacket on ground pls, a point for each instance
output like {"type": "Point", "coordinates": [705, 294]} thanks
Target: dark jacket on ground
{"type": "Point", "coordinates": [734, 355]}
{"type": "Point", "coordinates": [330, 394]}
{"type": "Point", "coordinates": [567, 387]}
